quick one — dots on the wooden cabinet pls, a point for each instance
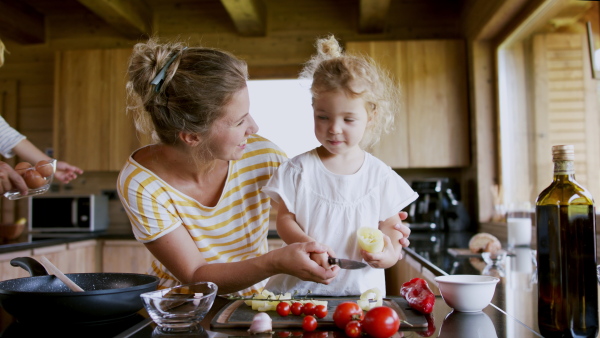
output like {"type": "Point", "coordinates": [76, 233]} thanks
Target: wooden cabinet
{"type": "Point", "coordinates": [91, 127]}
{"type": "Point", "coordinates": [75, 257]}
{"type": "Point", "coordinates": [125, 256]}
{"type": "Point", "coordinates": [432, 130]}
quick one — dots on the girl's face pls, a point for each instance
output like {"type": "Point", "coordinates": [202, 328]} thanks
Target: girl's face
{"type": "Point", "coordinates": [340, 121]}
{"type": "Point", "coordinates": [230, 132]}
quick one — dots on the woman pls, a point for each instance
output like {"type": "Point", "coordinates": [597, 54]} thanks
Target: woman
{"type": "Point", "coordinates": [194, 197]}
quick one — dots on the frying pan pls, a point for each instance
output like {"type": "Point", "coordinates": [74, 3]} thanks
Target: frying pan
{"type": "Point", "coordinates": [45, 298]}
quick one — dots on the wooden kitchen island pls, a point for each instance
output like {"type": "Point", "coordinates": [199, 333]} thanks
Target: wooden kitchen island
{"type": "Point", "coordinates": [513, 312]}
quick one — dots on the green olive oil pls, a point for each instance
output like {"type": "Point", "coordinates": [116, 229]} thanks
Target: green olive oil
{"type": "Point", "coordinates": [566, 254]}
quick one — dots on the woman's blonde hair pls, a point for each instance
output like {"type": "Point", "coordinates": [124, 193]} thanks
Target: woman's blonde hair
{"type": "Point", "coordinates": [197, 85]}
{"type": "Point", "coordinates": [332, 69]}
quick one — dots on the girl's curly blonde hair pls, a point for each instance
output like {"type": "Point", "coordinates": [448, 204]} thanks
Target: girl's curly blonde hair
{"type": "Point", "coordinates": [358, 76]}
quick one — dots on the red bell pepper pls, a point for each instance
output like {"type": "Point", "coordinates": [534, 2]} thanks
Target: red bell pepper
{"type": "Point", "coordinates": [419, 295]}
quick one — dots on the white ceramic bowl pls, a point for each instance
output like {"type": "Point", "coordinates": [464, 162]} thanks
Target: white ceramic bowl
{"type": "Point", "coordinates": [467, 293]}
{"type": "Point", "coordinates": [467, 325]}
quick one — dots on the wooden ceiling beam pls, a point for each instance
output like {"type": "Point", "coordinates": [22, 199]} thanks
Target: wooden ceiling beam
{"type": "Point", "coordinates": [21, 23]}
{"type": "Point", "coordinates": [372, 16]}
{"type": "Point", "coordinates": [132, 18]}
{"type": "Point", "coordinates": [248, 16]}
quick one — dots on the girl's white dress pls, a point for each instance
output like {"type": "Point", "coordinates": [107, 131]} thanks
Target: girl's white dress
{"type": "Point", "coordinates": [331, 208]}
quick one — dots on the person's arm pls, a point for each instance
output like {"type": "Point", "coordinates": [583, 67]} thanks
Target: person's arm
{"type": "Point", "coordinates": [178, 253]}
{"type": "Point", "coordinates": [27, 151]}
{"type": "Point", "coordinates": [392, 248]}
{"type": "Point", "coordinates": [288, 229]}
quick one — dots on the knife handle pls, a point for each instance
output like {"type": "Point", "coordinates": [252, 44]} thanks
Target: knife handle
{"type": "Point", "coordinates": [333, 261]}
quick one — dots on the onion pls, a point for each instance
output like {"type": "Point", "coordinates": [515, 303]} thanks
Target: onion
{"type": "Point", "coordinates": [261, 323]}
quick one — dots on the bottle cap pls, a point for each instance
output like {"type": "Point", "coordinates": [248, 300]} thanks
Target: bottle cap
{"type": "Point", "coordinates": [563, 153]}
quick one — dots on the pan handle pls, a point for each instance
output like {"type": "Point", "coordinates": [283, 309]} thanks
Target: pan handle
{"type": "Point", "coordinates": [32, 266]}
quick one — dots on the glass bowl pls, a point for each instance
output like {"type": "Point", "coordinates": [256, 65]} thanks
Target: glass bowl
{"type": "Point", "coordinates": [180, 308]}
{"type": "Point", "coordinates": [51, 167]}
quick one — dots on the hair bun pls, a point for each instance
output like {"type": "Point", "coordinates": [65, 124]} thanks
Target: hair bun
{"type": "Point", "coordinates": [329, 46]}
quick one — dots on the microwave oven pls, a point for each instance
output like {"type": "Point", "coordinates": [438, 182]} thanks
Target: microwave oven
{"type": "Point", "coordinates": [68, 213]}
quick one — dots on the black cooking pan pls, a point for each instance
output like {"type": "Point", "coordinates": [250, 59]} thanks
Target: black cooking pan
{"type": "Point", "coordinates": [45, 298]}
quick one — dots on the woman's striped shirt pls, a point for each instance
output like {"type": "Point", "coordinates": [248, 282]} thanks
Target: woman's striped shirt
{"type": "Point", "coordinates": [9, 138]}
{"type": "Point", "coordinates": [233, 230]}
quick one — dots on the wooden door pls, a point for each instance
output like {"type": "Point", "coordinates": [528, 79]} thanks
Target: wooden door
{"type": "Point", "coordinates": [432, 130]}
{"type": "Point", "coordinates": [566, 108]}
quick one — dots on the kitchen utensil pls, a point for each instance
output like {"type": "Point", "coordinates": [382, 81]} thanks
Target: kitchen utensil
{"type": "Point", "coordinates": [182, 307]}
{"type": "Point", "coordinates": [236, 314]}
{"type": "Point", "coordinates": [346, 263]}
{"type": "Point", "coordinates": [43, 298]}
{"type": "Point", "coordinates": [467, 293]}
{"type": "Point", "coordinates": [55, 271]}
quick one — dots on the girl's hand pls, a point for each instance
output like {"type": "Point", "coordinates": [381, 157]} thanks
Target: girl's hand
{"type": "Point", "coordinates": [382, 260]}
{"type": "Point", "coordinates": [323, 258]}
{"type": "Point", "coordinates": [404, 230]}
{"type": "Point", "coordinates": [66, 172]}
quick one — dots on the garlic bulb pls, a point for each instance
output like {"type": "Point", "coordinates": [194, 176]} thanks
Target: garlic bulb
{"type": "Point", "coordinates": [261, 323]}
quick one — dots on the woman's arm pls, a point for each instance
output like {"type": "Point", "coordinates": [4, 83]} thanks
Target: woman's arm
{"type": "Point", "coordinates": [30, 153]}
{"type": "Point", "coordinates": [178, 253]}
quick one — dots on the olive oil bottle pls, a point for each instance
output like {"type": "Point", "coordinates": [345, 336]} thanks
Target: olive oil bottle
{"type": "Point", "coordinates": [566, 253]}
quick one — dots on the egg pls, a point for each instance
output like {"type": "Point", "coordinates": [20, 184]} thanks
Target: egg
{"type": "Point", "coordinates": [21, 167]}
{"type": "Point", "coordinates": [44, 168]}
{"type": "Point", "coordinates": [33, 179]}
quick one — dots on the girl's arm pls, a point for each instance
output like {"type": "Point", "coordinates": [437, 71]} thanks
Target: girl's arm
{"type": "Point", "coordinates": [288, 229]}
{"type": "Point", "coordinates": [392, 250]}
{"type": "Point", "coordinates": [179, 254]}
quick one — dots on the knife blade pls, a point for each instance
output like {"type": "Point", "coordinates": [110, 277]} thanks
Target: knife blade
{"type": "Point", "coordinates": [346, 263]}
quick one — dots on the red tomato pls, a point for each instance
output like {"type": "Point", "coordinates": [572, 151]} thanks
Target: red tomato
{"type": "Point", "coordinates": [381, 322]}
{"type": "Point", "coordinates": [309, 323]}
{"type": "Point", "coordinates": [346, 312]}
{"type": "Point", "coordinates": [309, 309]}
{"type": "Point", "coordinates": [283, 334]}
{"type": "Point", "coordinates": [283, 309]}
{"type": "Point", "coordinates": [353, 329]}
{"type": "Point", "coordinates": [297, 308]}
{"type": "Point", "coordinates": [320, 311]}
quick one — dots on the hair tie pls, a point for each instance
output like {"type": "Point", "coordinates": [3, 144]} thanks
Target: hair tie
{"type": "Point", "coordinates": [160, 77]}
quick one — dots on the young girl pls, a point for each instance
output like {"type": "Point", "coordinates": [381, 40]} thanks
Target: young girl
{"type": "Point", "coordinates": [328, 193]}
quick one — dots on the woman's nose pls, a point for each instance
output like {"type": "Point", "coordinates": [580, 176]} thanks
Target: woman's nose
{"type": "Point", "coordinates": [253, 128]}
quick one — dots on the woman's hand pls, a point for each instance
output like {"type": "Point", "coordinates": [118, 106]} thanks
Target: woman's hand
{"type": "Point", "coordinates": [295, 259]}
{"type": "Point", "coordinates": [11, 180]}
{"type": "Point", "coordinates": [66, 172]}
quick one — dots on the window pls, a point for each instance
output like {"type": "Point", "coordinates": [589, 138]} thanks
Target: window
{"type": "Point", "coordinates": [283, 111]}
{"type": "Point", "coordinates": [547, 96]}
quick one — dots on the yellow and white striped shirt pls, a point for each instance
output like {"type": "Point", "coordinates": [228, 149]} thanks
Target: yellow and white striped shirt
{"type": "Point", "coordinates": [233, 230]}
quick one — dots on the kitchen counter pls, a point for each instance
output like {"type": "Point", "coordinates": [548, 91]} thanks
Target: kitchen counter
{"type": "Point", "coordinates": [512, 312]}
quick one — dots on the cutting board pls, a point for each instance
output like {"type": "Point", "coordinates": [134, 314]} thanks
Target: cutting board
{"type": "Point", "coordinates": [236, 314]}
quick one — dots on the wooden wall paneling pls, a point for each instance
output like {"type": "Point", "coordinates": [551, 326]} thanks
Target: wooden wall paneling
{"type": "Point", "coordinates": [125, 256]}
{"type": "Point", "coordinates": [393, 147]}
{"type": "Point", "coordinates": [438, 115]}
{"type": "Point", "coordinates": [9, 111]}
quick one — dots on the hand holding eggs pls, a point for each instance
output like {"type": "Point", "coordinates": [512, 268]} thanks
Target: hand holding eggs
{"type": "Point", "coordinates": [35, 176]}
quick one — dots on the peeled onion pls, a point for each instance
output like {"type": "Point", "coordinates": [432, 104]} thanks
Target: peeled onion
{"type": "Point", "coordinates": [261, 323]}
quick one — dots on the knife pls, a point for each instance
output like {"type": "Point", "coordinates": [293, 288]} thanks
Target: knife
{"type": "Point", "coordinates": [346, 263]}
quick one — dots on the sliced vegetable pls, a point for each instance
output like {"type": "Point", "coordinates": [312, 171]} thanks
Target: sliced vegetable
{"type": "Point", "coordinates": [370, 299]}
{"type": "Point", "coordinates": [370, 239]}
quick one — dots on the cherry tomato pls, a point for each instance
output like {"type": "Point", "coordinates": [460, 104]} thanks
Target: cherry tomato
{"type": "Point", "coordinates": [309, 323]}
{"type": "Point", "coordinates": [283, 334]}
{"type": "Point", "coordinates": [309, 309]}
{"type": "Point", "coordinates": [346, 312]}
{"type": "Point", "coordinates": [320, 311]}
{"type": "Point", "coordinates": [297, 308]}
{"type": "Point", "coordinates": [381, 322]}
{"type": "Point", "coordinates": [283, 309]}
{"type": "Point", "coordinates": [353, 329]}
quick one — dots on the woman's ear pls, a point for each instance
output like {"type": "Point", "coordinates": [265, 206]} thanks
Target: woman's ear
{"type": "Point", "coordinates": [189, 139]}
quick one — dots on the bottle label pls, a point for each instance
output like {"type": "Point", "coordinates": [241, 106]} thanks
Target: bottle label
{"type": "Point", "coordinates": [564, 168]}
